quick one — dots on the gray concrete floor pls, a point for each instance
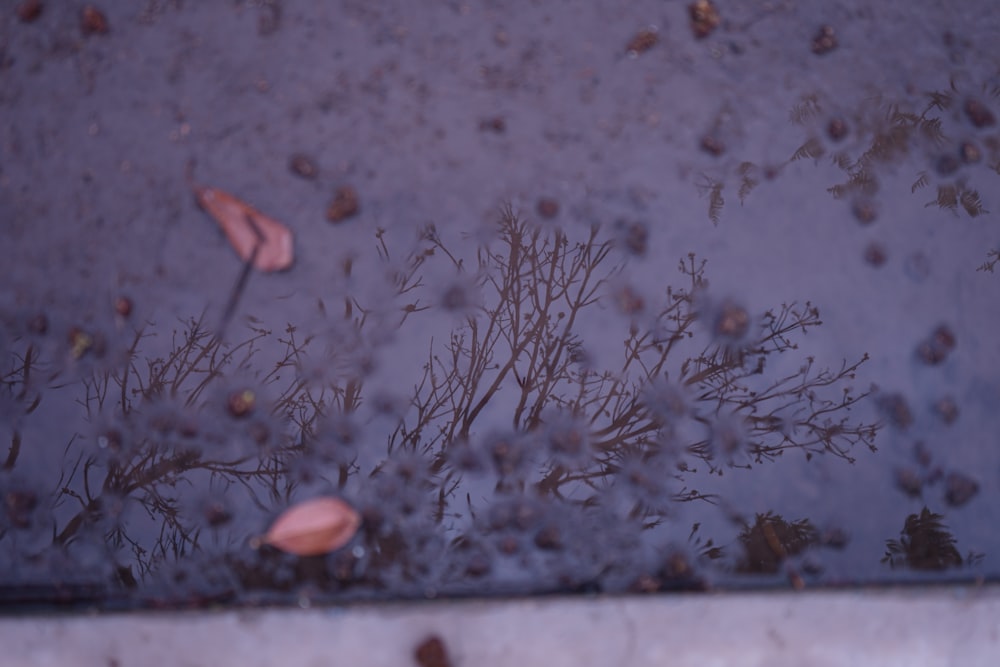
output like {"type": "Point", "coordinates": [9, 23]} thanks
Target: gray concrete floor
{"type": "Point", "coordinates": [939, 626]}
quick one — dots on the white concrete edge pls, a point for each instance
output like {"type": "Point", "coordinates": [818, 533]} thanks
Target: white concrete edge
{"type": "Point", "coordinates": [905, 628]}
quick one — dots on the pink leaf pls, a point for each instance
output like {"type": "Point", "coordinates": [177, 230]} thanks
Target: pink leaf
{"type": "Point", "coordinates": [251, 233]}
{"type": "Point", "coordinates": [313, 527]}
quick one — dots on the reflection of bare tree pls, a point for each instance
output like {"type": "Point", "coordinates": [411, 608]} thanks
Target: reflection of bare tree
{"type": "Point", "coordinates": [516, 394]}
{"type": "Point", "coordinates": [924, 544]}
{"type": "Point", "coordinates": [537, 291]}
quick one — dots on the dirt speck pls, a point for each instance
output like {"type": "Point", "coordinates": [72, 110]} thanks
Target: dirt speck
{"type": "Point", "coordinates": [344, 205]}
{"type": "Point", "coordinates": [29, 10]}
{"type": "Point", "coordinates": [303, 166]}
{"type": "Point", "coordinates": [432, 653]}
{"type": "Point", "coordinates": [704, 18]}
{"type": "Point", "coordinates": [824, 41]}
{"type": "Point", "coordinates": [93, 21]}
{"type": "Point", "coordinates": [978, 113]}
{"type": "Point", "coordinates": [642, 41]}
{"type": "Point", "coordinates": [836, 129]}
{"type": "Point", "coordinates": [547, 208]}
{"type": "Point", "coordinates": [875, 254]}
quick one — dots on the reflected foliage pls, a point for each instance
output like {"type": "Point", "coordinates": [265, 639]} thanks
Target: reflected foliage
{"type": "Point", "coordinates": [527, 454]}
{"type": "Point", "coordinates": [925, 543]}
{"type": "Point", "coordinates": [950, 130]}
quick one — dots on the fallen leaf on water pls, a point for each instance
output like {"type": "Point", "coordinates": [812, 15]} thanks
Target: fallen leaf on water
{"type": "Point", "coordinates": [313, 527]}
{"type": "Point", "coordinates": [256, 238]}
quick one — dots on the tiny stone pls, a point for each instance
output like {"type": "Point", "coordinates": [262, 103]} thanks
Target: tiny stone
{"type": "Point", "coordinates": [241, 403]}
{"type": "Point", "coordinates": [959, 489]}
{"type": "Point", "coordinates": [733, 321]}
{"type": "Point", "coordinates": [303, 166]}
{"type": "Point", "coordinates": [432, 653]}
{"type": "Point", "coordinates": [865, 212]}
{"type": "Point", "coordinates": [123, 306]}
{"type": "Point", "coordinates": [712, 146]}
{"type": "Point", "coordinates": [704, 18]}
{"type": "Point", "coordinates": [824, 41]}
{"type": "Point", "coordinates": [643, 41]}
{"type": "Point", "coordinates": [979, 115]}
{"type": "Point", "coordinates": [29, 10]}
{"type": "Point", "coordinates": [969, 153]}
{"type": "Point", "coordinates": [93, 21]}
{"type": "Point", "coordinates": [836, 129]}
{"type": "Point", "coordinates": [344, 204]}
{"type": "Point", "coordinates": [875, 254]}
{"type": "Point", "coordinates": [547, 208]}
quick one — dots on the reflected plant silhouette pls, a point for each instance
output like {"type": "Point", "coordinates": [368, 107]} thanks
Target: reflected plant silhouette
{"type": "Point", "coordinates": [514, 448]}
{"type": "Point", "coordinates": [925, 543]}
{"type": "Point", "coordinates": [947, 126]}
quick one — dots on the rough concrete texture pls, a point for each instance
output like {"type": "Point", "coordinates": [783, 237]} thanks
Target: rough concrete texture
{"type": "Point", "coordinates": [937, 627]}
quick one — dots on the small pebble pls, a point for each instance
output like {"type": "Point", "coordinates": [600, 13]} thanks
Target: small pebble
{"type": "Point", "coordinates": [344, 205]}
{"type": "Point", "coordinates": [547, 208]}
{"type": "Point", "coordinates": [93, 21]}
{"type": "Point", "coordinates": [432, 653]}
{"type": "Point", "coordinates": [979, 115]}
{"type": "Point", "coordinates": [959, 489]}
{"type": "Point", "coordinates": [704, 18]}
{"type": "Point", "coordinates": [824, 41]}
{"type": "Point", "coordinates": [303, 166]}
{"type": "Point", "coordinates": [836, 129]}
{"type": "Point", "coordinates": [643, 41]}
{"type": "Point", "coordinates": [29, 10]}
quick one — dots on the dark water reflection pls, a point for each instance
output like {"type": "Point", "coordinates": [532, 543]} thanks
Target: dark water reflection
{"type": "Point", "coordinates": [779, 370]}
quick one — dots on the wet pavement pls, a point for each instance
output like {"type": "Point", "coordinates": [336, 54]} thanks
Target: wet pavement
{"type": "Point", "coordinates": [629, 298]}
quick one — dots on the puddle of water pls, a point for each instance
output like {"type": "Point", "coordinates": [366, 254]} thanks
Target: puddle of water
{"type": "Point", "coordinates": [582, 303]}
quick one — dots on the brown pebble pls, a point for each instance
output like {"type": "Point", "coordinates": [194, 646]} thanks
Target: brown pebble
{"type": "Point", "coordinates": [712, 146]}
{"type": "Point", "coordinates": [547, 208]}
{"type": "Point", "coordinates": [704, 18]}
{"type": "Point", "coordinates": [864, 211]}
{"type": "Point", "coordinates": [303, 166]}
{"type": "Point", "coordinates": [241, 403]}
{"type": "Point", "coordinates": [969, 153]}
{"type": "Point", "coordinates": [432, 653]}
{"type": "Point", "coordinates": [875, 254]}
{"type": "Point", "coordinates": [93, 21]}
{"type": "Point", "coordinates": [959, 489]}
{"type": "Point", "coordinates": [936, 347]}
{"type": "Point", "coordinates": [643, 41]}
{"type": "Point", "coordinates": [979, 115]}
{"type": "Point", "coordinates": [29, 10]}
{"type": "Point", "coordinates": [836, 129]}
{"type": "Point", "coordinates": [123, 306]}
{"type": "Point", "coordinates": [344, 204]}
{"type": "Point", "coordinates": [824, 41]}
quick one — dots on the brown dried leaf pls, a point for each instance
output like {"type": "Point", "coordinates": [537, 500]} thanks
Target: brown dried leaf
{"type": "Point", "coordinates": [253, 235]}
{"type": "Point", "coordinates": [313, 527]}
